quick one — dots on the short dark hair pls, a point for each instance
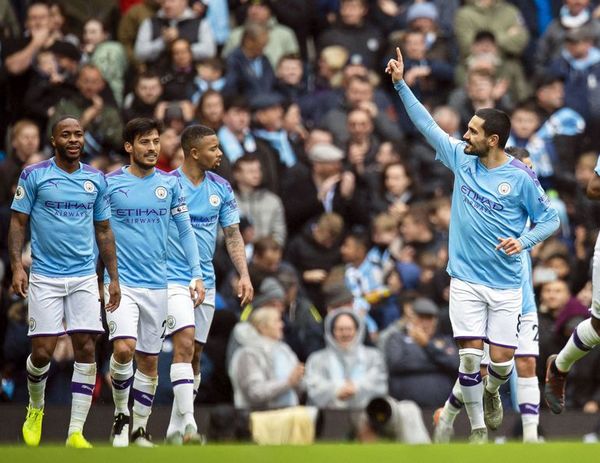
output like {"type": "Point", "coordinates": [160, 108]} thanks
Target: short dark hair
{"type": "Point", "coordinates": [361, 235]}
{"type": "Point", "coordinates": [60, 119]}
{"type": "Point", "coordinates": [192, 135]}
{"type": "Point", "coordinates": [517, 152]}
{"type": "Point", "coordinates": [265, 244]}
{"type": "Point", "coordinates": [140, 126]}
{"type": "Point", "coordinates": [484, 35]}
{"type": "Point", "coordinates": [146, 75]}
{"type": "Point", "coordinates": [247, 157]}
{"type": "Point", "coordinates": [495, 122]}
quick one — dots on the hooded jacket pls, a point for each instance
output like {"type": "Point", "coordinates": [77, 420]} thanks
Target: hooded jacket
{"type": "Point", "coordinates": [259, 370]}
{"type": "Point", "coordinates": [328, 369]}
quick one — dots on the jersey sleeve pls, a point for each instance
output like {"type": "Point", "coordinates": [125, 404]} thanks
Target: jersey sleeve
{"type": "Point", "coordinates": [25, 193]}
{"type": "Point", "coordinates": [229, 213]}
{"type": "Point", "coordinates": [448, 150]}
{"type": "Point", "coordinates": [541, 213]}
{"type": "Point", "coordinates": [102, 203]}
{"type": "Point", "coordinates": [187, 237]}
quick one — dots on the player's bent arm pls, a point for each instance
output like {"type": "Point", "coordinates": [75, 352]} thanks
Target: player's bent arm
{"type": "Point", "coordinates": [423, 121]}
{"type": "Point", "coordinates": [543, 229]}
{"type": "Point", "coordinates": [105, 239]}
{"type": "Point", "coordinates": [593, 188]}
{"type": "Point", "coordinates": [236, 249]}
{"type": "Point", "coordinates": [16, 238]}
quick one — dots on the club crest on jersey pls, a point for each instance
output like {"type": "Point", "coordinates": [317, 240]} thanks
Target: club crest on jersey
{"type": "Point", "coordinates": [170, 322]}
{"type": "Point", "coordinates": [161, 192]}
{"type": "Point", "coordinates": [504, 188]}
{"type": "Point", "coordinates": [89, 186]}
{"type": "Point", "coordinates": [32, 324]}
{"type": "Point", "coordinates": [19, 193]}
{"type": "Point", "coordinates": [214, 200]}
{"type": "Point", "coordinates": [112, 327]}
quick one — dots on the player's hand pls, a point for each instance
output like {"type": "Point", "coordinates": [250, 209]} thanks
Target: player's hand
{"type": "Point", "coordinates": [511, 246]}
{"type": "Point", "coordinates": [245, 291]}
{"type": "Point", "coordinates": [197, 291]}
{"type": "Point", "coordinates": [114, 296]}
{"type": "Point", "coordinates": [20, 282]}
{"type": "Point", "coordinates": [395, 67]}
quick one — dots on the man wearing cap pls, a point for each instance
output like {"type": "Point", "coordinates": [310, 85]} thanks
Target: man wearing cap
{"type": "Point", "coordinates": [282, 40]}
{"type": "Point", "coordinates": [324, 187]}
{"type": "Point", "coordinates": [421, 363]}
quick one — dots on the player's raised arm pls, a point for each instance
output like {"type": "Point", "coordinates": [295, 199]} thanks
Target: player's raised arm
{"type": "Point", "coordinates": [236, 250]}
{"type": "Point", "coordinates": [447, 148]}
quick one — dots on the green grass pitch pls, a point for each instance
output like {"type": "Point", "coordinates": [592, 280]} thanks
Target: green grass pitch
{"type": "Point", "coordinates": [326, 453]}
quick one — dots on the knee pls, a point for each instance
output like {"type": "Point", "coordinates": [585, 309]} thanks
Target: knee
{"type": "Point", "coordinates": [525, 366]}
{"type": "Point", "coordinates": [41, 356]}
{"type": "Point", "coordinates": [147, 364]}
{"type": "Point", "coordinates": [596, 324]}
{"type": "Point", "coordinates": [85, 350]}
{"type": "Point", "coordinates": [123, 350]}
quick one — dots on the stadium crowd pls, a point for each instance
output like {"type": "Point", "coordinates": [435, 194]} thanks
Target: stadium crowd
{"type": "Point", "coordinates": [343, 205]}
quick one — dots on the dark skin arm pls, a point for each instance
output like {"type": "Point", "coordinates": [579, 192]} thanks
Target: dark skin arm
{"type": "Point", "coordinates": [235, 248]}
{"type": "Point", "coordinates": [16, 241]}
{"type": "Point", "coordinates": [108, 253]}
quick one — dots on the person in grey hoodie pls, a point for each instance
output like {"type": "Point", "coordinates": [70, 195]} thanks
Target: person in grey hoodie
{"type": "Point", "coordinates": [265, 373]}
{"type": "Point", "coordinates": [346, 374]}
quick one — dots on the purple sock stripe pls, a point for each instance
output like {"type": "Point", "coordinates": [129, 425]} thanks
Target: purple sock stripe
{"type": "Point", "coordinates": [121, 384]}
{"type": "Point", "coordinates": [498, 376]}
{"type": "Point", "coordinates": [145, 398]}
{"type": "Point", "coordinates": [529, 409]}
{"type": "Point", "coordinates": [182, 381]}
{"type": "Point", "coordinates": [37, 379]}
{"type": "Point", "coordinates": [579, 343]}
{"type": "Point", "coordinates": [82, 388]}
{"type": "Point", "coordinates": [469, 379]}
{"type": "Point", "coordinates": [453, 400]}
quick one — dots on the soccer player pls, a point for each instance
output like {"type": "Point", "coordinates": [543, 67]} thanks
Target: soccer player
{"type": "Point", "coordinates": [587, 334]}
{"type": "Point", "coordinates": [143, 201]}
{"type": "Point", "coordinates": [493, 197]}
{"type": "Point", "coordinates": [65, 203]}
{"type": "Point", "coordinates": [528, 392]}
{"type": "Point", "coordinates": [211, 204]}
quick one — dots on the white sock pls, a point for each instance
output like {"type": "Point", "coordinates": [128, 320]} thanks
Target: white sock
{"type": "Point", "coordinates": [82, 389]}
{"type": "Point", "coordinates": [528, 395]}
{"type": "Point", "coordinates": [498, 374]}
{"type": "Point", "coordinates": [471, 385]}
{"type": "Point", "coordinates": [453, 404]}
{"type": "Point", "coordinates": [182, 380]}
{"type": "Point", "coordinates": [144, 388]}
{"type": "Point", "coordinates": [121, 376]}
{"type": "Point", "coordinates": [36, 383]}
{"type": "Point", "coordinates": [583, 340]}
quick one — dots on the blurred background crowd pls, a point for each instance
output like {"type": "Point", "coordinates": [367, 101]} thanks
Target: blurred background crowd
{"type": "Point", "coordinates": [344, 210]}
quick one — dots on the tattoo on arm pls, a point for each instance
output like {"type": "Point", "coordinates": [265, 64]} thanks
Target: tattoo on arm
{"type": "Point", "coordinates": [106, 245]}
{"type": "Point", "coordinates": [16, 238]}
{"type": "Point", "coordinates": [235, 248]}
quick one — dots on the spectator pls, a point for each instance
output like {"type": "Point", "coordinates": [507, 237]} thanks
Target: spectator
{"type": "Point", "coordinates": [397, 190]}
{"type": "Point", "coordinates": [346, 374]}
{"type": "Point", "coordinates": [147, 93]}
{"type": "Point", "coordinates": [354, 32]}
{"type": "Point", "coordinates": [281, 39]}
{"type": "Point", "coordinates": [363, 144]}
{"type": "Point", "coordinates": [210, 75]}
{"type": "Point", "coordinates": [573, 14]}
{"type": "Point", "coordinates": [314, 252]}
{"type": "Point", "coordinates": [425, 17]}
{"type": "Point", "coordinates": [210, 110]}
{"type": "Point", "coordinates": [264, 371]}
{"type": "Point", "coordinates": [25, 143]}
{"type": "Point", "coordinates": [290, 81]}
{"type": "Point", "coordinates": [99, 118]}
{"type": "Point", "coordinates": [263, 208]}
{"type": "Point", "coordinates": [173, 20]}
{"type": "Point", "coordinates": [179, 73]}
{"type": "Point", "coordinates": [421, 363]}
{"type": "Point", "coordinates": [235, 136]}
{"type": "Point", "coordinates": [248, 69]}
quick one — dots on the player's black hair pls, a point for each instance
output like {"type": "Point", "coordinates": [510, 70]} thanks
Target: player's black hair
{"type": "Point", "coordinates": [495, 122]}
{"type": "Point", "coordinates": [517, 152]}
{"type": "Point", "coordinates": [192, 135]}
{"type": "Point", "coordinates": [59, 120]}
{"type": "Point", "coordinates": [140, 126]}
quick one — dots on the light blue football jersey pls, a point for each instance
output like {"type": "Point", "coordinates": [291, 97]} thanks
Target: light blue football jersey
{"type": "Point", "coordinates": [141, 211]}
{"type": "Point", "coordinates": [211, 203]}
{"type": "Point", "coordinates": [529, 305]}
{"type": "Point", "coordinates": [62, 208]}
{"type": "Point", "coordinates": [487, 204]}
